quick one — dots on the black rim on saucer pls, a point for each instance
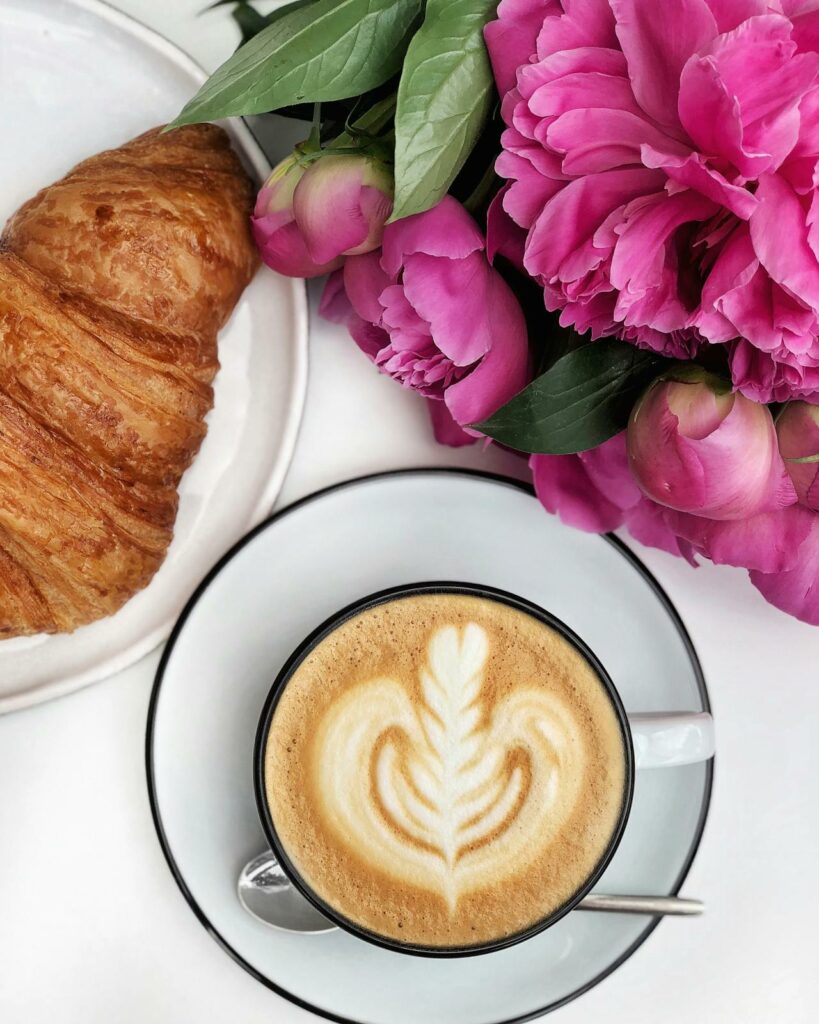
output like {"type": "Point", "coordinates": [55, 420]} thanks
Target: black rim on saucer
{"type": "Point", "coordinates": [321, 633]}
{"type": "Point", "coordinates": [526, 488]}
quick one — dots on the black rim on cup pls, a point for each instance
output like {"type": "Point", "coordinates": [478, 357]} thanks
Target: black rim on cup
{"type": "Point", "coordinates": [321, 633]}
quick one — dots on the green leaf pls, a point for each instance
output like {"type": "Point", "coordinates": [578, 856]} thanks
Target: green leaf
{"type": "Point", "coordinates": [581, 401]}
{"type": "Point", "coordinates": [264, 19]}
{"type": "Point", "coordinates": [444, 99]}
{"type": "Point", "coordinates": [325, 50]}
{"type": "Point", "coordinates": [250, 22]}
{"type": "Point", "coordinates": [805, 459]}
{"type": "Point", "coordinates": [370, 123]}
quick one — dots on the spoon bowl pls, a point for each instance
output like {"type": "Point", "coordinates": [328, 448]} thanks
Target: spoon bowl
{"type": "Point", "coordinates": [265, 892]}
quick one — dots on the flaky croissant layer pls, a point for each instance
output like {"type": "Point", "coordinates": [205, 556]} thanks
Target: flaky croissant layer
{"type": "Point", "coordinates": [113, 284]}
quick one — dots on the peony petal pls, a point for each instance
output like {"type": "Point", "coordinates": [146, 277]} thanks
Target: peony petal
{"type": "Point", "coordinates": [658, 39]}
{"type": "Point", "coordinates": [760, 47]}
{"type": "Point", "coordinates": [364, 282]}
{"type": "Point", "coordinates": [585, 23]}
{"type": "Point", "coordinates": [709, 112]}
{"type": "Point", "coordinates": [607, 468]}
{"type": "Point", "coordinates": [796, 591]}
{"type": "Point", "coordinates": [806, 32]}
{"type": "Point", "coordinates": [571, 218]}
{"type": "Point", "coordinates": [647, 226]}
{"type": "Point", "coordinates": [376, 207]}
{"type": "Point", "coordinates": [445, 230]}
{"type": "Point", "coordinates": [755, 374]}
{"type": "Point", "coordinates": [762, 313]}
{"type": "Point", "coordinates": [733, 268]}
{"type": "Point", "coordinates": [603, 140]}
{"type": "Point", "coordinates": [797, 8]}
{"type": "Point", "coordinates": [563, 487]}
{"type": "Point", "coordinates": [691, 171]}
{"type": "Point", "coordinates": [596, 315]}
{"type": "Point", "coordinates": [756, 67]}
{"type": "Point", "coordinates": [780, 238]}
{"type": "Point", "coordinates": [647, 523]}
{"type": "Point", "coordinates": [529, 190]}
{"type": "Point", "coordinates": [370, 339]}
{"type": "Point", "coordinates": [768, 542]}
{"type": "Point", "coordinates": [327, 207]}
{"type": "Point", "coordinates": [408, 331]}
{"type": "Point", "coordinates": [446, 430]}
{"type": "Point", "coordinates": [646, 265]}
{"type": "Point", "coordinates": [512, 39]}
{"type": "Point", "coordinates": [334, 305]}
{"type": "Point", "coordinates": [452, 296]}
{"type": "Point", "coordinates": [504, 371]}
{"type": "Point", "coordinates": [808, 141]}
{"type": "Point", "coordinates": [565, 62]}
{"type": "Point", "coordinates": [585, 90]}
{"type": "Point", "coordinates": [283, 249]}
{"type": "Point", "coordinates": [503, 236]}
{"type": "Point", "coordinates": [731, 13]}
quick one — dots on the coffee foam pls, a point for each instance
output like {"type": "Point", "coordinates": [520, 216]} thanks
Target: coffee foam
{"type": "Point", "coordinates": [445, 770]}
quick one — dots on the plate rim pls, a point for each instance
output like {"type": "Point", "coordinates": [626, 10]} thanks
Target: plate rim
{"type": "Point", "coordinates": [297, 395]}
{"type": "Point", "coordinates": [498, 478]}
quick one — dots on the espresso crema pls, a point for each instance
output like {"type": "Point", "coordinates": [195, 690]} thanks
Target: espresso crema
{"type": "Point", "coordinates": [445, 770]}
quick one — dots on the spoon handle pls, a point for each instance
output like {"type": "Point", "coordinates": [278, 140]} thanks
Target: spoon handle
{"type": "Point", "coordinates": [671, 905]}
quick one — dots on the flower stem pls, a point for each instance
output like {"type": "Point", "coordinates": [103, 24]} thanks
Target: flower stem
{"type": "Point", "coordinates": [483, 190]}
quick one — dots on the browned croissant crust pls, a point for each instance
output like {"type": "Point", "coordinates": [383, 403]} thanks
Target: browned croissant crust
{"type": "Point", "coordinates": [113, 284]}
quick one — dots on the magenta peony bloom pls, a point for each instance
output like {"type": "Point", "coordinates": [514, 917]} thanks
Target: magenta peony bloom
{"type": "Point", "coordinates": [309, 216]}
{"type": "Point", "coordinates": [430, 311]}
{"type": "Point", "coordinates": [662, 159]}
{"type": "Point", "coordinates": [798, 430]}
{"type": "Point", "coordinates": [711, 454]}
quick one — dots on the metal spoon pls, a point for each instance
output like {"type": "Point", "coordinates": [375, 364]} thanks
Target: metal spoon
{"type": "Point", "coordinates": [266, 893]}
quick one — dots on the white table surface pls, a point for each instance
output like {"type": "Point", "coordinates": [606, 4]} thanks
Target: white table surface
{"type": "Point", "coordinates": [93, 929]}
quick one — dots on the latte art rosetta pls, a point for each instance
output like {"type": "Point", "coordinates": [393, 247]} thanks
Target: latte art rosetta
{"type": "Point", "coordinates": [450, 788]}
{"type": "Point", "coordinates": [443, 769]}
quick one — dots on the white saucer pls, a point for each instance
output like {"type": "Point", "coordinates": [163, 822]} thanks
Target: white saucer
{"type": "Point", "coordinates": [77, 77]}
{"type": "Point", "coordinates": [284, 579]}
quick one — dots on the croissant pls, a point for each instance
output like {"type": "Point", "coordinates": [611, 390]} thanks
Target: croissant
{"type": "Point", "coordinates": [114, 283]}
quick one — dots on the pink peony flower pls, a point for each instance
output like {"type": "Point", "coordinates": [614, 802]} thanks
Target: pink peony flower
{"type": "Point", "coordinates": [798, 430]}
{"type": "Point", "coordinates": [309, 216]}
{"type": "Point", "coordinates": [663, 159]}
{"type": "Point", "coordinates": [694, 449]}
{"type": "Point", "coordinates": [430, 311]}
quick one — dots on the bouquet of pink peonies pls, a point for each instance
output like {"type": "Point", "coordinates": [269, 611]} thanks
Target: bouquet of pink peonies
{"type": "Point", "coordinates": [587, 230]}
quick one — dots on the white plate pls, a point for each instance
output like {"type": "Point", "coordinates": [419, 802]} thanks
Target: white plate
{"type": "Point", "coordinates": [77, 77]}
{"type": "Point", "coordinates": [290, 575]}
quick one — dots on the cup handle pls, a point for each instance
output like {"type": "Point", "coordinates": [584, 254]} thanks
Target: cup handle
{"type": "Point", "coordinates": [668, 739]}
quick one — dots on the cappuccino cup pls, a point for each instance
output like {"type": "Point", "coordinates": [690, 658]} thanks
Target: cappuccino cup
{"type": "Point", "coordinates": [447, 769]}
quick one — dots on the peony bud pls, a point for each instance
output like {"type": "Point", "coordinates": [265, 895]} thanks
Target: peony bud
{"type": "Point", "coordinates": [309, 216]}
{"type": "Point", "coordinates": [342, 204]}
{"type": "Point", "coordinates": [798, 431]}
{"type": "Point", "coordinates": [699, 449]}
